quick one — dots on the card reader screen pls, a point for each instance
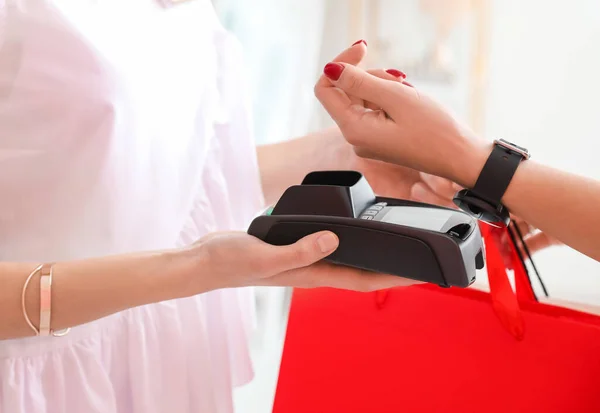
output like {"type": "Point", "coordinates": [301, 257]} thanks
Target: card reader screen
{"type": "Point", "coordinates": [431, 219]}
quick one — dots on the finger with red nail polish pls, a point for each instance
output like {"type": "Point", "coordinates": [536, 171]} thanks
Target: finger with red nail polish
{"type": "Point", "coordinates": [396, 73]}
{"type": "Point", "coordinates": [381, 74]}
{"type": "Point", "coordinates": [359, 42]}
{"type": "Point", "coordinates": [333, 71]}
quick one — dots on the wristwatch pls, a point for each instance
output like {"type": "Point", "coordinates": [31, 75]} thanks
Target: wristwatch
{"type": "Point", "coordinates": [484, 200]}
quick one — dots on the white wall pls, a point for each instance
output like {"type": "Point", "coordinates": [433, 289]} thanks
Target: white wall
{"type": "Point", "coordinates": [544, 93]}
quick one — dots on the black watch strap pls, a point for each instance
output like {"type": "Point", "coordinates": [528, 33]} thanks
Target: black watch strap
{"type": "Point", "coordinates": [498, 171]}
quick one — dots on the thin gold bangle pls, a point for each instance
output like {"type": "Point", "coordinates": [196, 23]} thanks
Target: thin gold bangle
{"type": "Point", "coordinates": [45, 300]}
{"type": "Point", "coordinates": [48, 300]}
{"type": "Point", "coordinates": [45, 308]}
{"type": "Point", "coordinates": [23, 308]}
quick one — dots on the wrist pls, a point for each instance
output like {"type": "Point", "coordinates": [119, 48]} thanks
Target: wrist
{"type": "Point", "coordinates": [191, 268]}
{"type": "Point", "coordinates": [466, 165]}
{"type": "Point", "coordinates": [332, 151]}
{"type": "Point", "coordinates": [328, 150]}
{"type": "Point", "coordinates": [176, 268]}
{"type": "Point", "coordinates": [166, 274]}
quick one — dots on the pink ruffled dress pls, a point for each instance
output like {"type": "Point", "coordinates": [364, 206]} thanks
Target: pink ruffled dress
{"type": "Point", "coordinates": [124, 127]}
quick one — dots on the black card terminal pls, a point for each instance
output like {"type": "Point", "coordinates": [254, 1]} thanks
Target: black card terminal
{"type": "Point", "coordinates": [386, 235]}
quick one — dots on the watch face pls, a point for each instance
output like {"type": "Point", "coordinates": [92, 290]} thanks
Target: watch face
{"type": "Point", "coordinates": [513, 147]}
{"type": "Point", "coordinates": [512, 144]}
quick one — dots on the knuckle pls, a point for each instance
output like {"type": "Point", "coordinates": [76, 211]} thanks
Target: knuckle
{"type": "Point", "coordinates": [303, 254]}
{"type": "Point", "coordinates": [349, 123]}
{"type": "Point", "coordinates": [354, 133]}
{"type": "Point", "coordinates": [363, 152]}
{"type": "Point", "coordinates": [355, 82]}
{"type": "Point", "coordinates": [360, 151]}
{"type": "Point", "coordinates": [317, 90]}
{"type": "Point", "coordinates": [353, 139]}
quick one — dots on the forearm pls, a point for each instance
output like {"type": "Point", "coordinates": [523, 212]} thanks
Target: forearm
{"type": "Point", "coordinates": [286, 163]}
{"type": "Point", "coordinates": [86, 290]}
{"type": "Point", "coordinates": [561, 204]}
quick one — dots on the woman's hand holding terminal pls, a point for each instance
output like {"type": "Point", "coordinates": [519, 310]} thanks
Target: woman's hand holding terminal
{"type": "Point", "coordinates": [397, 123]}
{"type": "Point", "coordinates": [86, 290]}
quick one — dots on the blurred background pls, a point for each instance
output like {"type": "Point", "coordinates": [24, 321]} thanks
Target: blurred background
{"type": "Point", "coordinates": [526, 71]}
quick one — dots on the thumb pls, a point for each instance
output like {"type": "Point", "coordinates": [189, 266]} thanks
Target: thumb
{"type": "Point", "coordinates": [357, 82]}
{"type": "Point", "coordinates": [352, 55]}
{"type": "Point", "coordinates": [303, 252]}
{"type": "Point", "coordinates": [345, 81]}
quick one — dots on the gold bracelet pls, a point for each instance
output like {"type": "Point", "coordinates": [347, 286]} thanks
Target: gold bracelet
{"type": "Point", "coordinates": [45, 302]}
{"type": "Point", "coordinates": [23, 308]}
{"type": "Point", "coordinates": [45, 299]}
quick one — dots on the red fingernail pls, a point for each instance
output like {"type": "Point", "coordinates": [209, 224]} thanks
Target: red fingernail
{"type": "Point", "coordinates": [396, 73]}
{"type": "Point", "coordinates": [333, 70]}
{"type": "Point", "coordinates": [360, 41]}
{"type": "Point", "coordinates": [407, 84]}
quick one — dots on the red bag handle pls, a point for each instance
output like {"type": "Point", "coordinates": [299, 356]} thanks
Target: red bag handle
{"type": "Point", "coordinates": [500, 239]}
{"type": "Point", "coordinates": [501, 254]}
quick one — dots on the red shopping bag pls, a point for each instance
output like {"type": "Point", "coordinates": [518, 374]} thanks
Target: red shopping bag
{"type": "Point", "coordinates": [428, 349]}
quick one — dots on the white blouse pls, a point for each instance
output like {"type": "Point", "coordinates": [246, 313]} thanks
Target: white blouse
{"type": "Point", "coordinates": [124, 127]}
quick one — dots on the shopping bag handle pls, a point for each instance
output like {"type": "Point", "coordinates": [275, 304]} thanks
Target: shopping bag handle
{"type": "Point", "coordinates": [501, 254]}
{"type": "Point", "coordinates": [523, 253]}
{"type": "Point", "coordinates": [502, 239]}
